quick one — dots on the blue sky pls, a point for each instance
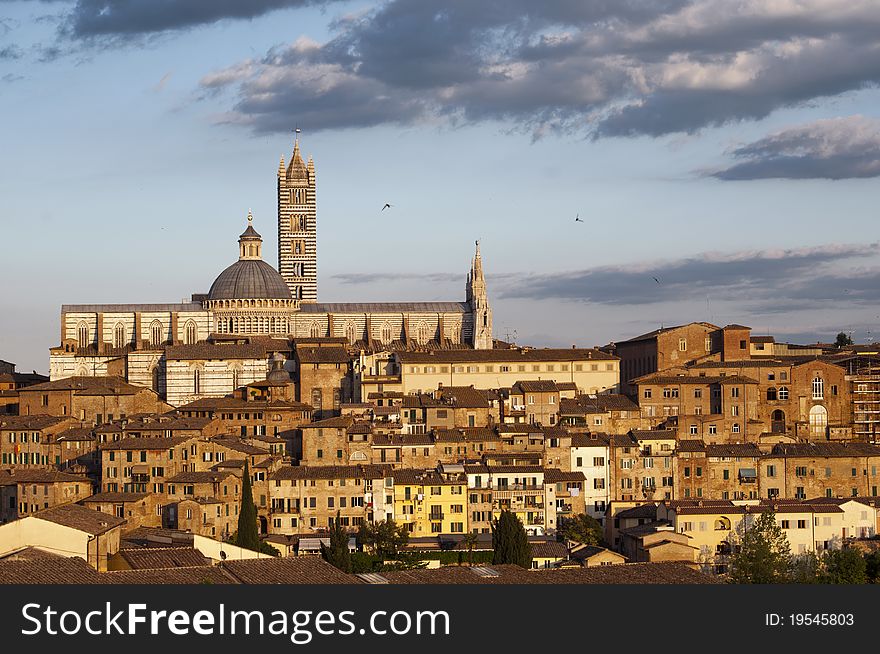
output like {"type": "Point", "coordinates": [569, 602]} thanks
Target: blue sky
{"type": "Point", "coordinates": [729, 149]}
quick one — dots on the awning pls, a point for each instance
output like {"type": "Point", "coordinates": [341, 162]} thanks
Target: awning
{"type": "Point", "coordinates": [748, 473]}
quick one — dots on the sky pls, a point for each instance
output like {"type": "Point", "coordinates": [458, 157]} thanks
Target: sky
{"type": "Point", "coordinates": [722, 157]}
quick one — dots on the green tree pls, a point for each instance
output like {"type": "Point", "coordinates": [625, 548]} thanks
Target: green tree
{"type": "Point", "coordinates": [385, 538]}
{"type": "Point", "coordinates": [470, 542]}
{"type": "Point", "coordinates": [764, 556]}
{"type": "Point", "coordinates": [247, 535]}
{"type": "Point", "coordinates": [843, 566]}
{"type": "Point", "coordinates": [336, 553]}
{"type": "Point", "coordinates": [510, 542]}
{"type": "Point", "coordinates": [872, 567]}
{"type": "Point", "coordinates": [582, 528]}
{"type": "Point", "coordinates": [805, 568]}
{"type": "Point", "coordinates": [843, 339]}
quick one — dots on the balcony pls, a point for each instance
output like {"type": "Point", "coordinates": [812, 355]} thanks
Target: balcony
{"type": "Point", "coordinates": [435, 516]}
{"type": "Point", "coordinates": [140, 478]}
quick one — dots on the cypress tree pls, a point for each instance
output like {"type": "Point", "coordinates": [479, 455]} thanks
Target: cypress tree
{"type": "Point", "coordinates": [510, 544]}
{"type": "Point", "coordinates": [336, 553]}
{"type": "Point", "coordinates": [248, 535]}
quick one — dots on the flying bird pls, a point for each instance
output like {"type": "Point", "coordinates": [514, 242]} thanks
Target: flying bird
{"type": "Point", "coordinates": [577, 219]}
{"type": "Point", "coordinates": [387, 206]}
{"type": "Point", "coordinates": [655, 279]}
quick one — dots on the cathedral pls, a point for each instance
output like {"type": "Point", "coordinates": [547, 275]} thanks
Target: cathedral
{"type": "Point", "coordinates": [227, 337]}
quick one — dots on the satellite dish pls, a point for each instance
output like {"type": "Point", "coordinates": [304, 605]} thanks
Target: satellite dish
{"type": "Point", "coordinates": [222, 555]}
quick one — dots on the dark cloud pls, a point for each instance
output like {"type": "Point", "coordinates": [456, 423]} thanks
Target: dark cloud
{"type": "Point", "coordinates": [601, 68]}
{"type": "Point", "coordinates": [10, 52]}
{"type": "Point", "coordinates": [122, 18]}
{"type": "Point", "coordinates": [838, 148]}
{"type": "Point", "coordinates": [765, 280]}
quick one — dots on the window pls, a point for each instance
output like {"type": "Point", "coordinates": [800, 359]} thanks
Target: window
{"type": "Point", "coordinates": [782, 393]}
{"type": "Point", "coordinates": [197, 381]}
{"type": "Point", "coordinates": [734, 392]}
{"type": "Point", "coordinates": [83, 335]}
{"type": "Point", "coordinates": [734, 410]}
{"type": "Point", "coordinates": [735, 428]}
{"type": "Point", "coordinates": [818, 388]}
{"type": "Point", "coordinates": [698, 393]}
{"type": "Point", "coordinates": [682, 345]}
{"type": "Point", "coordinates": [190, 333]}
{"type": "Point", "coordinates": [708, 344]}
{"type": "Point", "coordinates": [156, 334]}
{"type": "Point", "coordinates": [119, 335]}
{"type": "Point", "coordinates": [647, 393]}
{"type": "Point", "coordinates": [786, 524]}
{"type": "Point", "coordinates": [771, 394]}
{"type": "Point", "coordinates": [713, 429]}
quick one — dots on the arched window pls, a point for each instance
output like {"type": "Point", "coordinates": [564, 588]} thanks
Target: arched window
{"type": "Point", "coordinates": [315, 330]}
{"type": "Point", "coordinates": [351, 332]}
{"type": "Point", "coordinates": [154, 375]}
{"type": "Point", "coordinates": [119, 335]}
{"type": "Point", "coordinates": [190, 333]}
{"type": "Point", "coordinates": [771, 394]}
{"type": "Point", "coordinates": [818, 389]}
{"type": "Point", "coordinates": [156, 334]}
{"type": "Point", "coordinates": [455, 332]}
{"type": "Point", "coordinates": [235, 374]}
{"type": "Point", "coordinates": [422, 333]}
{"type": "Point", "coordinates": [818, 420]}
{"type": "Point", "coordinates": [197, 381]}
{"type": "Point", "coordinates": [82, 334]}
{"type": "Point", "coordinates": [386, 333]}
{"type": "Point", "coordinates": [782, 393]}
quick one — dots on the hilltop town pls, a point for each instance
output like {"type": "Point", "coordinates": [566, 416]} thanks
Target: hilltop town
{"type": "Point", "coordinates": [156, 422]}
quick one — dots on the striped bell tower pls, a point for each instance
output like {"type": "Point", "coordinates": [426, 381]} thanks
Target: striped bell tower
{"type": "Point", "coordinates": [297, 226]}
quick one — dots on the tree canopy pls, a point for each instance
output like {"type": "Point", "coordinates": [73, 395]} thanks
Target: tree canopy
{"type": "Point", "coordinates": [510, 542]}
{"type": "Point", "coordinates": [336, 552]}
{"type": "Point", "coordinates": [247, 534]}
{"type": "Point", "coordinates": [385, 538]}
{"type": "Point", "coordinates": [582, 528]}
{"type": "Point", "coordinates": [764, 555]}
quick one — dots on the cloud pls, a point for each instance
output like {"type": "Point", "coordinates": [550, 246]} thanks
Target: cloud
{"type": "Point", "coordinates": [767, 280]}
{"type": "Point", "coordinates": [10, 52]}
{"type": "Point", "coordinates": [160, 85]}
{"type": "Point", "coordinates": [9, 78]}
{"type": "Point", "coordinates": [836, 148]}
{"type": "Point", "coordinates": [603, 68]}
{"type": "Point", "coordinates": [117, 19]}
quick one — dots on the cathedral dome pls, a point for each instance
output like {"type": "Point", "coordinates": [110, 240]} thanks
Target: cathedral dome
{"type": "Point", "coordinates": [249, 279]}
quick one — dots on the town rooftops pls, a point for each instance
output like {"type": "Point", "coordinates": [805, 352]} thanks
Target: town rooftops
{"type": "Point", "coordinates": [14, 423]}
{"type": "Point", "coordinates": [110, 385]}
{"type": "Point", "coordinates": [209, 351]}
{"type": "Point", "coordinates": [204, 574]}
{"type": "Point", "coordinates": [654, 334]}
{"type": "Point", "coordinates": [331, 472]}
{"type": "Point", "coordinates": [236, 403]}
{"type": "Point", "coordinates": [733, 450]}
{"type": "Point", "coordinates": [157, 558]}
{"type": "Point", "coordinates": [588, 404]}
{"type": "Point", "coordinates": [536, 386]}
{"type": "Point", "coordinates": [79, 517]}
{"type": "Point", "coordinates": [647, 510]}
{"type": "Point", "coordinates": [147, 443]}
{"type": "Point", "coordinates": [667, 379]}
{"type": "Point", "coordinates": [289, 570]}
{"type": "Point", "coordinates": [120, 498]}
{"type": "Point", "coordinates": [59, 570]}
{"type": "Point", "coordinates": [36, 476]}
{"type": "Point", "coordinates": [323, 355]}
{"type": "Point", "coordinates": [821, 450]}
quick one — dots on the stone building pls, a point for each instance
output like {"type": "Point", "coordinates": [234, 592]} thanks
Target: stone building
{"type": "Point", "coordinates": [24, 492]}
{"type": "Point", "coordinates": [28, 441]}
{"type": "Point", "coordinates": [716, 472]}
{"type": "Point", "coordinates": [152, 344]}
{"type": "Point", "coordinates": [802, 470]}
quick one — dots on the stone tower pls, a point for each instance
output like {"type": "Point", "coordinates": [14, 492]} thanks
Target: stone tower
{"type": "Point", "coordinates": [297, 226]}
{"type": "Point", "coordinates": [479, 303]}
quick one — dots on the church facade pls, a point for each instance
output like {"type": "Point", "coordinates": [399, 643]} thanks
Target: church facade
{"type": "Point", "coordinates": [224, 339]}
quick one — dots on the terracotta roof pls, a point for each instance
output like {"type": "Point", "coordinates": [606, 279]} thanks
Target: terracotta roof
{"type": "Point", "coordinates": [239, 445]}
{"type": "Point", "coordinates": [79, 517]}
{"type": "Point", "coordinates": [694, 379]}
{"type": "Point", "coordinates": [238, 403]}
{"type": "Point", "coordinates": [587, 404]}
{"type": "Point", "coordinates": [536, 386]}
{"type": "Point", "coordinates": [158, 558]}
{"type": "Point", "coordinates": [207, 351]}
{"type": "Point", "coordinates": [36, 571]}
{"type": "Point", "coordinates": [331, 472]}
{"type": "Point", "coordinates": [36, 423]}
{"type": "Point", "coordinates": [825, 449]}
{"type": "Point", "coordinates": [663, 330]}
{"type": "Point", "coordinates": [549, 550]}
{"type": "Point", "coordinates": [149, 443]}
{"type": "Point", "coordinates": [465, 397]}
{"type": "Point", "coordinates": [647, 510]}
{"type": "Point", "coordinates": [343, 422]}
{"type": "Point", "coordinates": [411, 476]}
{"type": "Point", "coordinates": [36, 476]}
{"type": "Point", "coordinates": [115, 497]}
{"type": "Point", "coordinates": [593, 439]}
{"type": "Point", "coordinates": [554, 475]}
{"type": "Point", "coordinates": [76, 434]}
{"type": "Point", "coordinates": [110, 385]}
{"type": "Point", "coordinates": [690, 445]}
{"type": "Point", "coordinates": [465, 434]}
{"type": "Point", "coordinates": [170, 576]}
{"type": "Point", "coordinates": [291, 570]}
{"type": "Point", "coordinates": [653, 434]}
{"type": "Point", "coordinates": [527, 355]}
{"type": "Point", "coordinates": [323, 355]}
{"type": "Point", "coordinates": [402, 440]}
{"type": "Point", "coordinates": [734, 450]}
{"type": "Point", "coordinates": [199, 477]}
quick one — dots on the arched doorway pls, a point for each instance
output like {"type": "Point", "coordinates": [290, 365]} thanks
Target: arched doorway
{"type": "Point", "coordinates": [264, 525]}
{"type": "Point", "coordinates": [777, 421]}
{"type": "Point", "coordinates": [818, 420]}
